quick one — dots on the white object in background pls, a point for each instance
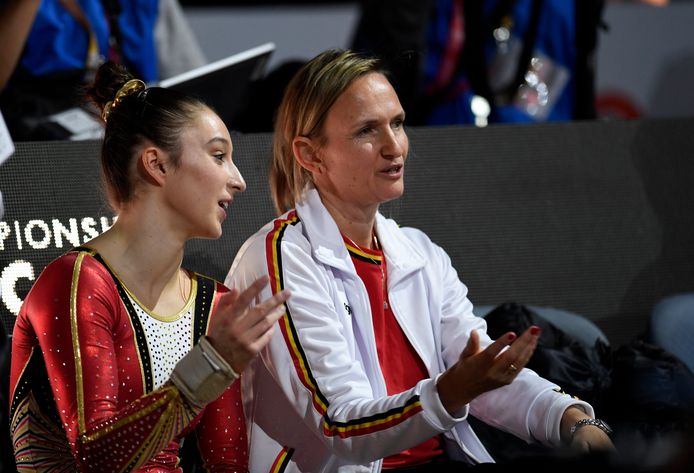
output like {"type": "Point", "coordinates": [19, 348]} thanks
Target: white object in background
{"type": "Point", "coordinates": [80, 124]}
{"type": "Point", "coordinates": [480, 109]}
{"type": "Point", "coordinates": [6, 150]}
{"type": "Point", "coordinates": [6, 144]}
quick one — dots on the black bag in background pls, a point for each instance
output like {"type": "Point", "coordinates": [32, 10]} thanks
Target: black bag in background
{"type": "Point", "coordinates": [645, 393]}
{"type": "Point", "coordinates": [652, 392]}
{"type": "Point", "coordinates": [650, 408]}
{"type": "Point", "coordinates": [580, 370]}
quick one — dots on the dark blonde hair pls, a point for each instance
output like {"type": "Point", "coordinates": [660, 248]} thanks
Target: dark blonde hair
{"type": "Point", "coordinates": [302, 112]}
{"type": "Point", "coordinates": [151, 114]}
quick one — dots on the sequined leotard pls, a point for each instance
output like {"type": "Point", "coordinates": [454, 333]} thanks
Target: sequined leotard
{"type": "Point", "coordinates": [90, 373]}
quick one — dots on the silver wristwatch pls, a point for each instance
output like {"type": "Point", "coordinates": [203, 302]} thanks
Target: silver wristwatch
{"type": "Point", "coordinates": [600, 424]}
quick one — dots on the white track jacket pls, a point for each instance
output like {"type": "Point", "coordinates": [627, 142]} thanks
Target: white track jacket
{"type": "Point", "coordinates": [315, 400]}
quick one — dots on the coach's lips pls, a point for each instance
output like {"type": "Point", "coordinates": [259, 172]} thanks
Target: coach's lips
{"type": "Point", "coordinates": [393, 171]}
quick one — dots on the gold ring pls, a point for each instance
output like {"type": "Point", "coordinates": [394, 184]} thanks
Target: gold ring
{"type": "Point", "coordinates": [512, 367]}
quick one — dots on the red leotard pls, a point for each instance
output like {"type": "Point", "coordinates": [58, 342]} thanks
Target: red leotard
{"type": "Point", "coordinates": [82, 383]}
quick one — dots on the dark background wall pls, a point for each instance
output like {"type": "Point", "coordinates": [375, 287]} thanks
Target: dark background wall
{"type": "Point", "coordinates": [592, 217]}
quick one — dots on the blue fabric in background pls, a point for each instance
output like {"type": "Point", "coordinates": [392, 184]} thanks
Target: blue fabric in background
{"type": "Point", "coordinates": [556, 38]}
{"type": "Point", "coordinates": [57, 42]}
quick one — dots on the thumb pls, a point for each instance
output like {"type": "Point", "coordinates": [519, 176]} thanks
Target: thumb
{"type": "Point", "coordinates": [473, 345]}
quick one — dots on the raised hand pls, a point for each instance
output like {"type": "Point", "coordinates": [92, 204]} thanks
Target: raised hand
{"type": "Point", "coordinates": [237, 330]}
{"type": "Point", "coordinates": [478, 371]}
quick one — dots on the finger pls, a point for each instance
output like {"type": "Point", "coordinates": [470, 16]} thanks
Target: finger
{"type": "Point", "coordinates": [526, 342]}
{"type": "Point", "coordinates": [222, 311]}
{"type": "Point", "coordinates": [532, 333]}
{"type": "Point", "coordinates": [265, 324]}
{"type": "Point", "coordinates": [270, 309]}
{"type": "Point", "coordinates": [249, 294]}
{"type": "Point", "coordinates": [498, 345]}
{"type": "Point", "coordinates": [524, 356]}
{"type": "Point", "coordinates": [262, 340]}
{"type": "Point", "coordinates": [272, 302]}
{"type": "Point", "coordinates": [260, 312]}
{"type": "Point", "coordinates": [519, 354]}
{"type": "Point", "coordinates": [473, 345]}
{"type": "Point", "coordinates": [527, 347]}
{"type": "Point", "coordinates": [228, 298]}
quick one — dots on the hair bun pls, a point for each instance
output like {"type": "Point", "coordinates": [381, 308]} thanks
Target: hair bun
{"type": "Point", "coordinates": [109, 79]}
{"type": "Point", "coordinates": [133, 86]}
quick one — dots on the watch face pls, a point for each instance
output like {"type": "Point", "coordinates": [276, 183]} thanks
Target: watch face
{"type": "Point", "coordinates": [604, 426]}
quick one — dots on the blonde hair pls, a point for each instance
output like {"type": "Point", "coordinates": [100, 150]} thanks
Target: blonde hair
{"type": "Point", "coordinates": [306, 102]}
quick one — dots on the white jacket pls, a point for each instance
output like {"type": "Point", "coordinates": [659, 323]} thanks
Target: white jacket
{"type": "Point", "coordinates": [315, 400]}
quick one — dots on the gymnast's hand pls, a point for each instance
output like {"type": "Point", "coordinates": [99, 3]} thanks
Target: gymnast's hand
{"type": "Point", "coordinates": [478, 371]}
{"type": "Point", "coordinates": [238, 331]}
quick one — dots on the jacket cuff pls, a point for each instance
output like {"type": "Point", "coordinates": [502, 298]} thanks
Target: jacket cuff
{"type": "Point", "coordinates": [203, 375]}
{"type": "Point", "coordinates": [434, 410]}
{"type": "Point", "coordinates": [554, 404]}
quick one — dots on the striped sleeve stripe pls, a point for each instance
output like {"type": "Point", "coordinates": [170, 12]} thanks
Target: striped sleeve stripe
{"type": "Point", "coordinates": [361, 426]}
{"type": "Point", "coordinates": [282, 460]}
{"type": "Point", "coordinates": [274, 261]}
{"type": "Point", "coordinates": [374, 423]}
{"type": "Point", "coordinates": [79, 386]}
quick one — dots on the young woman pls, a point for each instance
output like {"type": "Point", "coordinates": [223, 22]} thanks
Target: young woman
{"type": "Point", "coordinates": [118, 352]}
{"type": "Point", "coordinates": [379, 359]}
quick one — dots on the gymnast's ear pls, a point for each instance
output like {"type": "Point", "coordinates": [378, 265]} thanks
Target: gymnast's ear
{"type": "Point", "coordinates": [154, 164]}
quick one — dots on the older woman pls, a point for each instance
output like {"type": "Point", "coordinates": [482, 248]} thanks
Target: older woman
{"type": "Point", "coordinates": [118, 352]}
{"type": "Point", "coordinates": [379, 359]}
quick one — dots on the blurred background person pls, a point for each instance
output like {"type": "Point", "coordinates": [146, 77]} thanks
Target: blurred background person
{"type": "Point", "coordinates": [52, 47]}
{"type": "Point", "coordinates": [525, 60]}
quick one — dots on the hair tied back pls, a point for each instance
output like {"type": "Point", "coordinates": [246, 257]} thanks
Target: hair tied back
{"type": "Point", "coordinates": [131, 87]}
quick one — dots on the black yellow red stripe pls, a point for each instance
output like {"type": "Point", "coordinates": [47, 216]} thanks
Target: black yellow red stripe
{"type": "Point", "coordinates": [362, 255]}
{"type": "Point", "coordinates": [374, 423]}
{"type": "Point", "coordinates": [360, 426]}
{"type": "Point", "coordinates": [282, 460]}
{"type": "Point", "coordinates": [273, 253]}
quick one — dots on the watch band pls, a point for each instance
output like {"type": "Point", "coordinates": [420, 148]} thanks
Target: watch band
{"type": "Point", "coordinates": [600, 424]}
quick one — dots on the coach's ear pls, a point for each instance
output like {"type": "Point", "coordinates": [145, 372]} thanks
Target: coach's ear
{"type": "Point", "coordinates": [306, 154]}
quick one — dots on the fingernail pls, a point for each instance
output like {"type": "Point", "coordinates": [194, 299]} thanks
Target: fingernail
{"type": "Point", "coordinates": [511, 337]}
{"type": "Point", "coordinates": [534, 330]}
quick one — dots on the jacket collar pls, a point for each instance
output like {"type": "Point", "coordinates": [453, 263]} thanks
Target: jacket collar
{"type": "Point", "coordinates": [326, 241]}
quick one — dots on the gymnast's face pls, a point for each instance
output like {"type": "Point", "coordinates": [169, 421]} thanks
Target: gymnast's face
{"type": "Point", "coordinates": [361, 160]}
{"type": "Point", "coordinates": [206, 179]}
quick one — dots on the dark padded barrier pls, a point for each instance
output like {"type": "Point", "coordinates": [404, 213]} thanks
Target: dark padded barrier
{"type": "Point", "coordinates": [592, 217]}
